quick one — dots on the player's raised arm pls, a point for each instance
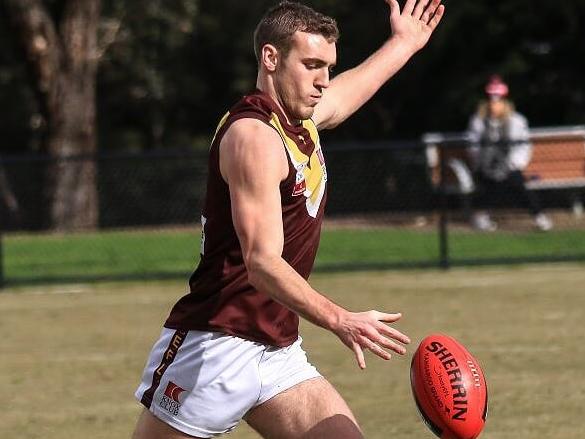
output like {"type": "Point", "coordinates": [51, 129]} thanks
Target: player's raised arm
{"type": "Point", "coordinates": [257, 216]}
{"type": "Point", "coordinates": [411, 29]}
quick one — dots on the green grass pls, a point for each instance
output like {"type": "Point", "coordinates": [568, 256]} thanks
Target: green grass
{"type": "Point", "coordinates": [562, 243]}
{"type": "Point", "coordinates": [376, 246]}
{"type": "Point", "coordinates": [73, 355]}
{"type": "Point", "coordinates": [393, 246]}
{"type": "Point", "coordinates": [100, 254]}
{"type": "Point", "coordinates": [169, 252]}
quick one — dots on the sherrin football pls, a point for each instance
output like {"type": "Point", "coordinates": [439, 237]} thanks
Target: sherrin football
{"type": "Point", "coordinates": [449, 388]}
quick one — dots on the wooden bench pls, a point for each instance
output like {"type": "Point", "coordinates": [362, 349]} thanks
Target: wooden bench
{"type": "Point", "coordinates": [558, 161]}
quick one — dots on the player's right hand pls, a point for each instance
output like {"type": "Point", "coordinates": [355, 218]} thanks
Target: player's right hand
{"type": "Point", "coordinates": [370, 331]}
{"type": "Point", "coordinates": [416, 22]}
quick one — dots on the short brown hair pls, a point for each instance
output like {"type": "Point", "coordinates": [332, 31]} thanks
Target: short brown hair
{"type": "Point", "coordinates": [281, 21]}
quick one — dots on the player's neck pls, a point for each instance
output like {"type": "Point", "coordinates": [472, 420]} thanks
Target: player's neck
{"type": "Point", "coordinates": [265, 85]}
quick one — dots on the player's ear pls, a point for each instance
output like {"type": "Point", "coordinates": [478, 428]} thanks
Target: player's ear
{"type": "Point", "coordinates": [269, 57]}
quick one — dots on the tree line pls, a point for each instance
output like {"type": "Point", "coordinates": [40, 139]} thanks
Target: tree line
{"type": "Point", "coordinates": [87, 76]}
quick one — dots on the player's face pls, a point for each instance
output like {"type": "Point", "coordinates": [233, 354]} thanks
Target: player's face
{"type": "Point", "coordinates": [497, 107]}
{"type": "Point", "coordinates": [303, 75]}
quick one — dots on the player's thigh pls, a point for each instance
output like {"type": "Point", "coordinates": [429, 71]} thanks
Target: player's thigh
{"type": "Point", "coordinates": [311, 409]}
{"type": "Point", "coordinates": [150, 427]}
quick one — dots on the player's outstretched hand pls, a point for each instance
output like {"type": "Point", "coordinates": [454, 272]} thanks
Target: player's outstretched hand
{"type": "Point", "coordinates": [417, 21]}
{"type": "Point", "coordinates": [369, 330]}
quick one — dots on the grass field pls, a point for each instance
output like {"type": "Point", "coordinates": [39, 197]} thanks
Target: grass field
{"type": "Point", "coordinates": [71, 356]}
{"type": "Point", "coordinates": [174, 252]}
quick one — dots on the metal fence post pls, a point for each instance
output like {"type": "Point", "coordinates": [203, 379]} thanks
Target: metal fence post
{"type": "Point", "coordinates": [443, 212]}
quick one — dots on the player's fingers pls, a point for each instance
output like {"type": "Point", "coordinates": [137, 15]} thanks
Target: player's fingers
{"type": "Point", "coordinates": [359, 355]}
{"type": "Point", "coordinates": [409, 7]}
{"type": "Point", "coordinates": [419, 11]}
{"type": "Point", "coordinates": [387, 343]}
{"type": "Point", "coordinates": [394, 8]}
{"type": "Point", "coordinates": [393, 346]}
{"type": "Point", "coordinates": [430, 11]}
{"type": "Point", "coordinates": [394, 333]}
{"type": "Point", "coordinates": [374, 348]}
{"type": "Point", "coordinates": [434, 22]}
{"type": "Point", "coordinates": [386, 317]}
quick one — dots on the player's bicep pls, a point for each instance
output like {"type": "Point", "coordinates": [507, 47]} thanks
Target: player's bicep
{"type": "Point", "coordinates": [257, 220]}
{"type": "Point", "coordinates": [253, 163]}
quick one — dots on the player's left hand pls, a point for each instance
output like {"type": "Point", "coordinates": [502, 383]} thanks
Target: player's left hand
{"type": "Point", "coordinates": [416, 22]}
{"type": "Point", "coordinates": [370, 331]}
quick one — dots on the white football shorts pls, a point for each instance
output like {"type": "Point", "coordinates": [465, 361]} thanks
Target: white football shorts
{"type": "Point", "coordinates": [203, 383]}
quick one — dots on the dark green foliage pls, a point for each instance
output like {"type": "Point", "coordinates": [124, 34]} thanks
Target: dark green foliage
{"type": "Point", "coordinates": [171, 69]}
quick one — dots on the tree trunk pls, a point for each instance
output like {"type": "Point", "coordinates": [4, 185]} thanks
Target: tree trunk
{"type": "Point", "coordinates": [63, 59]}
{"type": "Point", "coordinates": [72, 174]}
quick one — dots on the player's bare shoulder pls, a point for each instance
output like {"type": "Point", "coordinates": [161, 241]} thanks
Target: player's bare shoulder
{"type": "Point", "coordinates": [252, 143]}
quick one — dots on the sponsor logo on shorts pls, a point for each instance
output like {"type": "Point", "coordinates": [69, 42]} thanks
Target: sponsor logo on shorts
{"type": "Point", "coordinates": [167, 359]}
{"type": "Point", "coordinates": [170, 400]}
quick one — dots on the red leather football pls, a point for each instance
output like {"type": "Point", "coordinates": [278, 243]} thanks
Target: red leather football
{"type": "Point", "coordinates": [449, 388]}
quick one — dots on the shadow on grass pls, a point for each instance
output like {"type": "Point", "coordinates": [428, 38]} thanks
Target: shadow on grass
{"type": "Point", "coordinates": [468, 262]}
{"type": "Point", "coordinates": [93, 278]}
{"type": "Point", "coordinates": [319, 268]}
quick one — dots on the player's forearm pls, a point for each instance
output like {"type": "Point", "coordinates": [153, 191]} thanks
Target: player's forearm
{"type": "Point", "coordinates": [353, 88]}
{"type": "Point", "coordinates": [274, 276]}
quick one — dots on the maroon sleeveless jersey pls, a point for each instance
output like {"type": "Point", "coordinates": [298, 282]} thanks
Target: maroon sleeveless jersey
{"type": "Point", "coordinates": [220, 297]}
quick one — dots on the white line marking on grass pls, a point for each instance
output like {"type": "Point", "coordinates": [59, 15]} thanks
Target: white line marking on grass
{"type": "Point", "coordinates": [69, 289]}
{"type": "Point", "coordinates": [96, 357]}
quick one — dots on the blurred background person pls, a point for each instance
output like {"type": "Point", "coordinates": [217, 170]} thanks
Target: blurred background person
{"type": "Point", "coordinates": [500, 150]}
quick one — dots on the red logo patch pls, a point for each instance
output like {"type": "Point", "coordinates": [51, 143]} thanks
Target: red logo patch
{"type": "Point", "coordinates": [173, 391]}
{"type": "Point", "coordinates": [299, 189]}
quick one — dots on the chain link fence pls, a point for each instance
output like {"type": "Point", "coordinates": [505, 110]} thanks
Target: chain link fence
{"type": "Point", "coordinates": [390, 205]}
